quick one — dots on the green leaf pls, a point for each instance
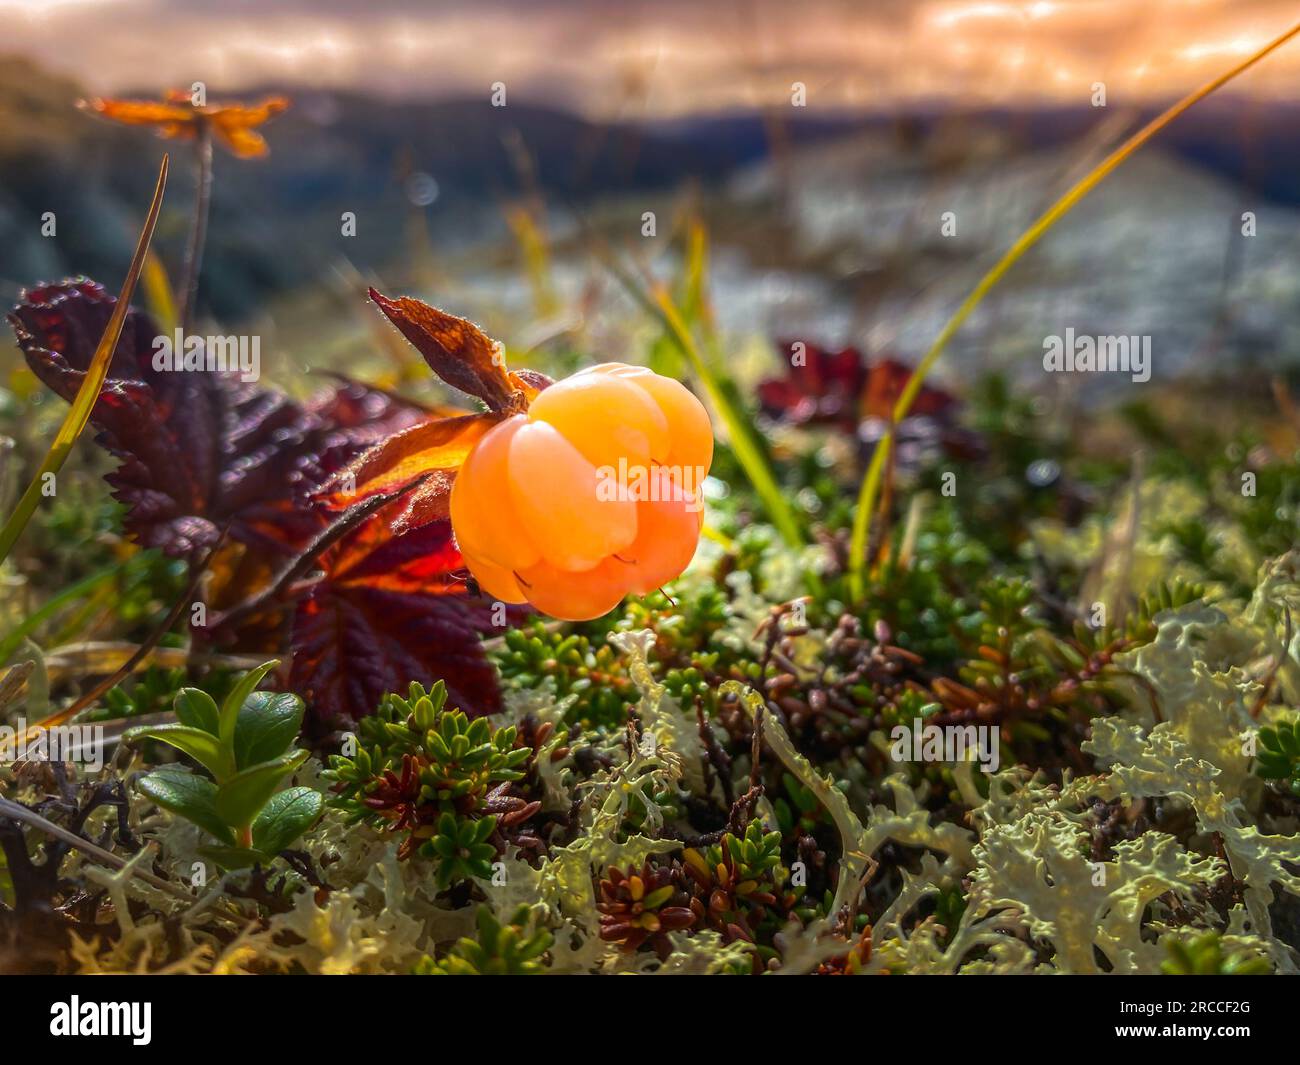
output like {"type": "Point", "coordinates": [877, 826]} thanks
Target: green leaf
{"type": "Point", "coordinates": [1288, 739]}
{"type": "Point", "coordinates": [285, 817]}
{"type": "Point", "coordinates": [191, 796]}
{"type": "Point", "coordinates": [1272, 767]}
{"type": "Point", "coordinates": [202, 746]}
{"type": "Point", "coordinates": [197, 709]}
{"type": "Point", "coordinates": [230, 708]}
{"type": "Point", "coordinates": [1270, 741]}
{"type": "Point", "coordinates": [235, 857]}
{"type": "Point", "coordinates": [242, 797]}
{"type": "Point", "coordinates": [266, 726]}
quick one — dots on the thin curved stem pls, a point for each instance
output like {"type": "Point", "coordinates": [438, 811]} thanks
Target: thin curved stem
{"type": "Point", "coordinates": [199, 231]}
{"type": "Point", "coordinates": [1031, 236]}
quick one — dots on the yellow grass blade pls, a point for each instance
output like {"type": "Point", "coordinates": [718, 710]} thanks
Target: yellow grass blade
{"type": "Point", "coordinates": [536, 254]}
{"type": "Point", "coordinates": [88, 393]}
{"type": "Point", "coordinates": [659, 303]}
{"type": "Point", "coordinates": [739, 430]}
{"type": "Point", "coordinates": [158, 294]}
{"type": "Point", "coordinates": [871, 482]}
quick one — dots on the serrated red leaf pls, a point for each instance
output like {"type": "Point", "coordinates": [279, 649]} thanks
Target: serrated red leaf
{"type": "Point", "coordinates": [886, 379]}
{"type": "Point", "coordinates": [390, 610]}
{"type": "Point", "coordinates": [843, 388]}
{"type": "Point", "coordinates": [354, 643]}
{"type": "Point", "coordinates": [354, 418]}
{"type": "Point", "coordinates": [824, 389]}
{"type": "Point", "coordinates": [430, 452]}
{"type": "Point", "coordinates": [199, 449]}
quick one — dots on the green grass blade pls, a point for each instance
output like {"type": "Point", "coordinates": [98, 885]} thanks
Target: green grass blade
{"type": "Point", "coordinates": [13, 640]}
{"type": "Point", "coordinates": [739, 429]}
{"type": "Point", "coordinates": [88, 393]}
{"type": "Point", "coordinates": [862, 516]}
{"type": "Point", "coordinates": [746, 448]}
{"type": "Point", "coordinates": [1031, 236]}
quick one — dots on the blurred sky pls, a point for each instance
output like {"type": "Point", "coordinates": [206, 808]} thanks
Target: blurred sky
{"type": "Point", "coordinates": [665, 57]}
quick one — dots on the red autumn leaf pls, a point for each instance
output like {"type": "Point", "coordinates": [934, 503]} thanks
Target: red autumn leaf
{"type": "Point", "coordinates": [361, 415]}
{"type": "Point", "coordinates": [354, 417]}
{"type": "Point", "coordinates": [824, 389]}
{"type": "Point", "coordinates": [198, 449]}
{"type": "Point", "coordinates": [201, 450]}
{"type": "Point", "coordinates": [843, 388]}
{"type": "Point", "coordinates": [259, 610]}
{"type": "Point", "coordinates": [430, 452]}
{"type": "Point", "coordinates": [886, 379]}
{"type": "Point", "coordinates": [350, 417]}
{"type": "Point", "coordinates": [390, 610]}
{"type": "Point", "coordinates": [455, 349]}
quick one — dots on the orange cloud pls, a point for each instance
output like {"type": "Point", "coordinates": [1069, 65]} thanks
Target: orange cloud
{"type": "Point", "coordinates": [664, 56]}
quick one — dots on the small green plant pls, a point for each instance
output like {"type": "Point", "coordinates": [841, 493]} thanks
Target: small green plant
{"type": "Point", "coordinates": [1204, 956]}
{"type": "Point", "coordinates": [797, 809]}
{"type": "Point", "coordinates": [641, 905]}
{"type": "Point", "coordinates": [248, 746]}
{"type": "Point", "coordinates": [509, 949]}
{"type": "Point", "coordinates": [739, 885]}
{"type": "Point", "coordinates": [593, 676]}
{"type": "Point", "coordinates": [1278, 757]}
{"type": "Point", "coordinates": [153, 691]}
{"type": "Point", "coordinates": [1164, 595]}
{"type": "Point", "coordinates": [437, 776]}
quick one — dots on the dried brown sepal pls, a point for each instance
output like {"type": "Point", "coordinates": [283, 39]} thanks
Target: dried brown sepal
{"type": "Point", "coordinates": [455, 348]}
{"type": "Point", "coordinates": [530, 382]}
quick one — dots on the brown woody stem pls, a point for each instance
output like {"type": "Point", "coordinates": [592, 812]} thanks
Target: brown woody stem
{"type": "Point", "coordinates": [199, 232]}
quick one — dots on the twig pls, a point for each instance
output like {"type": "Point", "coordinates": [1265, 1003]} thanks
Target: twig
{"type": "Point", "coordinates": [17, 812]}
{"type": "Point", "coordinates": [155, 637]}
{"type": "Point", "coordinates": [716, 757]}
{"type": "Point", "coordinates": [348, 520]}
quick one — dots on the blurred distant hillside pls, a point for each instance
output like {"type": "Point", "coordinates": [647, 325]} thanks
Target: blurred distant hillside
{"type": "Point", "coordinates": [275, 221]}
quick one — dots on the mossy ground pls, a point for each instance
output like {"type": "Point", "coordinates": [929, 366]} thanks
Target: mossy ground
{"type": "Point", "coordinates": [1122, 628]}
